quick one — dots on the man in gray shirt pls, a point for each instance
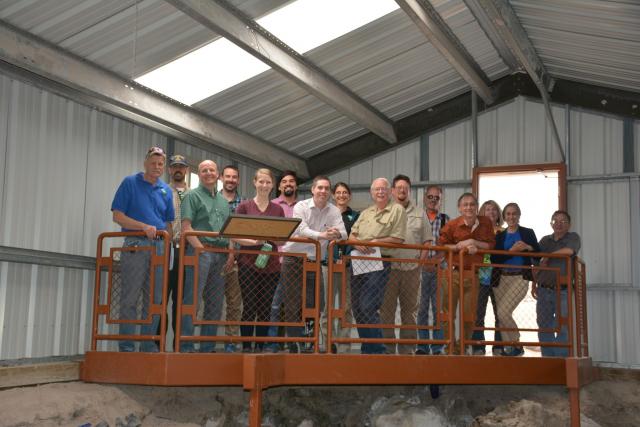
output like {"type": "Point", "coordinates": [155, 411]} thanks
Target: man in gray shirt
{"type": "Point", "coordinates": [561, 242]}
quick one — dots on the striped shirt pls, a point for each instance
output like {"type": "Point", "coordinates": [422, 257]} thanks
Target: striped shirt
{"type": "Point", "coordinates": [436, 226]}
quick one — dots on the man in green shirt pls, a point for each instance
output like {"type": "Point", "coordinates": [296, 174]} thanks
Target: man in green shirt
{"type": "Point", "coordinates": [205, 209]}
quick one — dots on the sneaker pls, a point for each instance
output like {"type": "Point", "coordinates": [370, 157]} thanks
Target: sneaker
{"type": "Point", "coordinates": [497, 351]}
{"type": "Point", "coordinates": [421, 352]}
{"type": "Point", "coordinates": [479, 351]}
{"type": "Point", "coordinates": [293, 348]}
{"type": "Point", "coordinates": [513, 351]}
{"type": "Point", "coordinates": [229, 348]}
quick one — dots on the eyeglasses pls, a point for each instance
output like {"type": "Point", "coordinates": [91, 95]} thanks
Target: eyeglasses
{"type": "Point", "coordinates": [559, 221]}
{"type": "Point", "coordinates": [432, 197]}
{"type": "Point", "coordinates": [380, 190]}
{"type": "Point", "coordinates": [155, 150]}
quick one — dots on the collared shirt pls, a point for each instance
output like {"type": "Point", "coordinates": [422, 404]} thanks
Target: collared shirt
{"type": "Point", "coordinates": [418, 232]}
{"type": "Point", "coordinates": [548, 244]}
{"type": "Point", "coordinates": [176, 225]}
{"type": "Point", "coordinates": [145, 202]}
{"type": "Point", "coordinates": [314, 221]}
{"type": "Point", "coordinates": [207, 211]}
{"type": "Point", "coordinates": [457, 230]}
{"type": "Point", "coordinates": [390, 221]}
{"type": "Point", "coordinates": [436, 226]}
{"type": "Point", "coordinates": [233, 203]}
{"type": "Point", "coordinates": [286, 207]}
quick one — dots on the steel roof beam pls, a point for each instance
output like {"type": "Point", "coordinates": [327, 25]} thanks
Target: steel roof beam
{"type": "Point", "coordinates": [429, 21]}
{"type": "Point", "coordinates": [30, 58]}
{"type": "Point", "coordinates": [222, 18]}
{"type": "Point", "coordinates": [497, 17]}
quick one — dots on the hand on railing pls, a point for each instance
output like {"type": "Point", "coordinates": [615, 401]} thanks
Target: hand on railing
{"type": "Point", "coordinates": [150, 231]}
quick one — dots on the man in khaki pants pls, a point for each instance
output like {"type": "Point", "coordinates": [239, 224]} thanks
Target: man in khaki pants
{"type": "Point", "coordinates": [468, 232]}
{"type": "Point", "coordinates": [232, 294]}
{"type": "Point", "coordinates": [404, 279]}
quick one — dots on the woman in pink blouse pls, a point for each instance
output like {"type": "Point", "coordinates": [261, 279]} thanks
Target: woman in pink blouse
{"type": "Point", "coordinates": [257, 281]}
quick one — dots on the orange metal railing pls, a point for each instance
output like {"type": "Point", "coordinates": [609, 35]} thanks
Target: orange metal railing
{"type": "Point", "coordinates": [363, 295]}
{"type": "Point", "coordinates": [126, 298]}
{"type": "Point", "coordinates": [298, 311]}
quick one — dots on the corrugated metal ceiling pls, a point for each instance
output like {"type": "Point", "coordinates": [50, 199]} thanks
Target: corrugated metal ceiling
{"type": "Point", "coordinates": [388, 62]}
{"type": "Point", "coordinates": [129, 37]}
{"type": "Point", "coordinates": [592, 41]}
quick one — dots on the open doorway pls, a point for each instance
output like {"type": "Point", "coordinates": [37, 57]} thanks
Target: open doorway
{"type": "Point", "coordinates": [539, 190]}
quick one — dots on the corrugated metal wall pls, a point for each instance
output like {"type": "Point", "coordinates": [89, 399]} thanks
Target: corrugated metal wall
{"type": "Point", "coordinates": [603, 202]}
{"type": "Point", "coordinates": [61, 164]}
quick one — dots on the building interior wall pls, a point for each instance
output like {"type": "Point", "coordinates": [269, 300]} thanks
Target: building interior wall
{"type": "Point", "coordinates": [62, 162]}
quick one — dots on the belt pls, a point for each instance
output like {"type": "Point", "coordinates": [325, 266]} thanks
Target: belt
{"type": "Point", "coordinates": [511, 273]}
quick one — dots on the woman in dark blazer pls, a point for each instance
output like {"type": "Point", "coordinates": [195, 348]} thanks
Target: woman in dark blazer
{"type": "Point", "coordinates": [514, 281]}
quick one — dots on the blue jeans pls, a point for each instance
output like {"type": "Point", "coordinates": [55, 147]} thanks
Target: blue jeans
{"type": "Point", "coordinates": [278, 299]}
{"type": "Point", "coordinates": [367, 293]}
{"type": "Point", "coordinates": [210, 293]}
{"type": "Point", "coordinates": [135, 272]}
{"type": "Point", "coordinates": [484, 294]}
{"type": "Point", "coordinates": [428, 302]}
{"type": "Point", "coordinates": [547, 317]}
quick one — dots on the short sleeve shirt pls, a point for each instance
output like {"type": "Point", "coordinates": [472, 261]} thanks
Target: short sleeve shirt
{"type": "Point", "coordinates": [418, 232]}
{"type": "Point", "coordinates": [391, 221]}
{"type": "Point", "coordinates": [145, 202]}
{"type": "Point", "coordinates": [548, 244]}
{"type": "Point", "coordinates": [249, 207]}
{"type": "Point", "coordinates": [207, 211]}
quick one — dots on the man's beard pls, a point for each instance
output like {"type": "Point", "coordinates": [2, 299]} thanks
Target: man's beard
{"type": "Point", "coordinates": [288, 192]}
{"type": "Point", "coordinates": [178, 177]}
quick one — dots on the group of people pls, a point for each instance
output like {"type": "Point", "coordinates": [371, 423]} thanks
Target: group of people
{"type": "Point", "coordinates": [259, 292]}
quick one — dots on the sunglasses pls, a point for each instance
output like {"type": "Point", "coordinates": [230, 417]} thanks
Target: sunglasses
{"type": "Point", "coordinates": [432, 197]}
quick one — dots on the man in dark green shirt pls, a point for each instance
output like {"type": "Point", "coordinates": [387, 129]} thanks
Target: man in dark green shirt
{"type": "Point", "coordinates": [205, 209]}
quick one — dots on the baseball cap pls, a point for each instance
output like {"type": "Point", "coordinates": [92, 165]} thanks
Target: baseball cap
{"type": "Point", "coordinates": [177, 159]}
{"type": "Point", "coordinates": [155, 151]}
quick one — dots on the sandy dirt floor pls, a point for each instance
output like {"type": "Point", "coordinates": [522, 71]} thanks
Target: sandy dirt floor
{"type": "Point", "coordinates": [603, 403]}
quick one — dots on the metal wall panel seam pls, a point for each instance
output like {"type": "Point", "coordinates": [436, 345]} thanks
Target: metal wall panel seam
{"type": "Point", "coordinates": [634, 205]}
{"type": "Point", "coordinates": [57, 330]}
{"type": "Point", "coordinates": [567, 137]}
{"type": "Point", "coordinates": [4, 267]}
{"type": "Point", "coordinates": [31, 311]}
{"type": "Point", "coordinates": [86, 301]}
{"type": "Point", "coordinates": [10, 162]}
{"type": "Point", "coordinates": [5, 107]}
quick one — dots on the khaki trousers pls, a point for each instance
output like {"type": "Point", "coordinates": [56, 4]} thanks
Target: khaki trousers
{"type": "Point", "coordinates": [469, 302]}
{"type": "Point", "coordinates": [403, 287]}
{"type": "Point", "coordinates": [509, 294]}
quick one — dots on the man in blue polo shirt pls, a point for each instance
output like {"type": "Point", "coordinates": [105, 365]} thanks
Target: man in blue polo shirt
{"type": "Point", "coordinates": [143, 202]}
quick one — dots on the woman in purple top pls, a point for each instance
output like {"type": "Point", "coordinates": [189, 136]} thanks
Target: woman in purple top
{"type": "Point", "coordinates": [257, 281]}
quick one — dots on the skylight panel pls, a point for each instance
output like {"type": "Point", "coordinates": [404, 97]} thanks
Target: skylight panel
{"type": "Point", "coordinates": [219, 65]}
